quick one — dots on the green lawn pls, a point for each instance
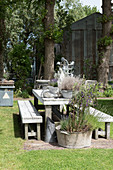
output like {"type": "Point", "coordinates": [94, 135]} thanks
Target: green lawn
{"type": "Point", "coordinates": [13, 156]}
{"type": "Point", "coordinates": [107, 105]}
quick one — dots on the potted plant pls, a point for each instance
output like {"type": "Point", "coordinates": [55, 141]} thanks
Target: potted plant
{"type": "Point", "coordinates": [75, 130]}
{"type": "Point", "coordinates": [68, 85]}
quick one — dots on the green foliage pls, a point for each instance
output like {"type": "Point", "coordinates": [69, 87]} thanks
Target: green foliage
{"type": "Point", "coordinates": [62, 17]}
{"type": "Point", "coordinates": [88, 10]}
{"type": "Point", "coordinates": [20, 93]}
{"type": "Point", "coordinates": [25, 23]}
{"type": "Point", "coordinates": [20, 61]}
{"type": "Point", "coordinates": [104, 42]}
{"type": "Point", "coordinates": [71, 10]}
{"type": "Point", "coordinates": [25, 94]}
{"type": "Point", "coordinates": [110, 82]}
{"type": "Point", "coordinates": [72, 123]}
{"type": "Point", "coordinates": [29, 88]}
{"type": "Point", "coordinates": [6, 75]}
{"type": "Point", "coordinates": [54, 33]}
{"type": "Point", "coordinates": [92, 121]}
{"type": "Point", "coordinates": [105, 18]}
{"type": "Point", "coordinates": [102, 107]}
{"type": "Point", "coordinates": [108, 92]}
{"type": "Point", "coordinates": [105, 92]}
{"type": "Point", "coordinates": [111, 29]}
{"type": "Point", "coordinates": [105, 105]}
{"type": "Point", "coordinates": [21, 64]}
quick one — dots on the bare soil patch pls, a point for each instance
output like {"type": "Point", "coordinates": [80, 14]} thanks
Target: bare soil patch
{"type": "Point", "coordinates": [41, 145]}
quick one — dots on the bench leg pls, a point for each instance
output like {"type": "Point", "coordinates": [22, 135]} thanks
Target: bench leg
{"type": "Point", "coordinates": [26, 131]}
{"type": "Point", "coordinates": [107, 130]}
{"type": "Point", "coordinates": [38, 131]}
{"type": "Point", "coordinates": [96, 133]}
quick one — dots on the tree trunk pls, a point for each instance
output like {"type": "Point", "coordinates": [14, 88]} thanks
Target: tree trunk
{"type": "Point", "coordinates": [1, 63]}
{"type": "Point", "coordinates": [49, 42]}
{"type": "Point", "coordinates": [2, 29]}
{"type": "Point", "coordinates": [104, 53]}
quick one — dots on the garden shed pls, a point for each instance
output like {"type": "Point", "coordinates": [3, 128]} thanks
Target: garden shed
{"type": "Point", "coordinates": [80, 45]}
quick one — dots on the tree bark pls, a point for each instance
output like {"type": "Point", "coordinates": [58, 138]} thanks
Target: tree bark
{"type": "Point", "coordinates": [2, 29]}
{"type": "Point", "coordinates": [104, 53]}
{"type": "Point", "coordinates": [49, 42]}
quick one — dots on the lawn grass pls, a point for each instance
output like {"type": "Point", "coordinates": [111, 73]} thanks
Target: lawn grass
{"type": "Point", "coordinates": [13, 155]}
{"type": "Point", "coordinates": [108, 105]}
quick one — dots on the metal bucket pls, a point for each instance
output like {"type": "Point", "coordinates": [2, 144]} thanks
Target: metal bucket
{"type": "Point", "coordinates": [50, 135]}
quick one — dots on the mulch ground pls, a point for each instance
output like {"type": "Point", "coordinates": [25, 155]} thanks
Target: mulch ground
{"type": "Point", "coordinates": [101, 143]}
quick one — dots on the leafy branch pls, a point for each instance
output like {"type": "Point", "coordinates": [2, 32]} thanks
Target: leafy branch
{"type": "Point", "coordinates": [104, 42]}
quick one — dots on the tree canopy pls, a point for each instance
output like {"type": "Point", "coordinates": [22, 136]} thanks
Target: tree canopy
{"type": "Point", "coordinates": [24, 22]}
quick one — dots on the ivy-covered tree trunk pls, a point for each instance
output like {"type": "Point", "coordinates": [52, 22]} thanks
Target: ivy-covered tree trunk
{"type": "Point", "coordinates": [105, 43]}
{"type": "Point", "coordinates": [49, 42]}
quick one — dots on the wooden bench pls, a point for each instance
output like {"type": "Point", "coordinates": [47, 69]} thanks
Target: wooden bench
{"type": "Point", "coordinates": [103, 117]}
{"type": "Point", "coordinates": [29, 115]}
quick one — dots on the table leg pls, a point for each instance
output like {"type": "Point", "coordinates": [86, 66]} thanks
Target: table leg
{"type": "Point", "coordinates": [26, 131]}
{"type": "Point", "coordinates": [107, 130]}
{"type": "Point", "coordinates": [36, 102]}
{"type": "Point", "coordinates": [48, 113]}
{"type": "Point", "coordinates": [38, 131]}
{"type": "Point", "coordinates": [96, 133]}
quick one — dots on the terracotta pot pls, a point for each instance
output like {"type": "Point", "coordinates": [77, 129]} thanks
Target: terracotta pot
{"type": "Point", "coordinates": [73, 140]}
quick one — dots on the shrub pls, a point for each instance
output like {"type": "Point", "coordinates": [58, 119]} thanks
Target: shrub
{"type": "Point", "coordinates": [20, 64]}
{"type": "Point", "coordinates": [108, 92]}
{"type": "Point", "coordinates": [20, 93]}
{"type": "Point", "coordinates": [25, 94]}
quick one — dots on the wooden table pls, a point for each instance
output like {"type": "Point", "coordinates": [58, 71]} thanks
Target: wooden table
{"type": "Point", "coordinates": [47, 102]}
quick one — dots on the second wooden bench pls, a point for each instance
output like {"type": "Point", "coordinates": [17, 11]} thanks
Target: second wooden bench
{"type": "Point", "coordinates": [29, 115]}
{"type": "Point", "coordinates": [103, 117]}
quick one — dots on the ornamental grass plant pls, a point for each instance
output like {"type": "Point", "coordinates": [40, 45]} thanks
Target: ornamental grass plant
{"type": "Point", "coordinates": [71, 83]}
